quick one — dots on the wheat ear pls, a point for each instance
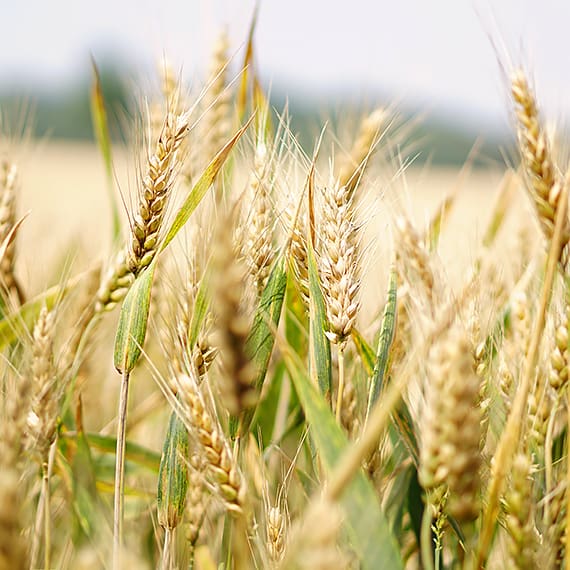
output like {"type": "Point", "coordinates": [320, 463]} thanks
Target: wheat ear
{"type": "Point", "coordinates": [544, 181]}
{"type": "Point", "coordinates": [339, 272]}
{"type": "Point", "coordinates": [220, 461]}
{"type": "Point", "coordinates": [8, 190]}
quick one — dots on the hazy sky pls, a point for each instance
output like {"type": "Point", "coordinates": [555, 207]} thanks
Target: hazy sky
{"type": "Point", "coordinates": [437, 53]}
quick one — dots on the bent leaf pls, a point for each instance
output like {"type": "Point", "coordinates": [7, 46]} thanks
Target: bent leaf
{"type": "Point", "coordinates": [101, 130]}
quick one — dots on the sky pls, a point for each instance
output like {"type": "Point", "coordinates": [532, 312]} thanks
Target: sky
{"type": "Point", "coordinates": [443, 56]}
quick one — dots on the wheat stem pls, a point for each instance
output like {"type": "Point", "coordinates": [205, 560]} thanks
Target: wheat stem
{"type": "Point", "coordinates": [426, 538]}
{"type": "Point", "coordinates": [47, 469]}
{"type": "Point", "coordinates": [340, 382]}
{"type": "Point", "coordinates": [36, 539]}
{"type": "Point", "coordinates": [119, 498]}
{"type": "Point", "coordinates": [166, 562]}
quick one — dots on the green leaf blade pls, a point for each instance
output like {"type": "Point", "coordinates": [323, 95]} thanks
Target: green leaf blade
{"type": "Point", "coordinates": [101, 130]}
{"type": "Point", "coordinates": [173, 474]}
{"type": "Point", "coordinates": [320, 347]}
{"type": "Point", "coordinates": [387, 331]}
{"type": "Point", "coordinates": [261, 338]}
{"type": "Point", "coordinates": [367, 526]}
{"type": "Point", "coordinates": [133, 321]}
{"type": "Point", "coordinates": [201, 187]}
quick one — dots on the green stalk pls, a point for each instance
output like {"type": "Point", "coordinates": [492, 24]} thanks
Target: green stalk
{"type": "Point", "coordinates": [340, 381]}
{"type": "Point", "coordinates": [119, 499]}
{"type": "Point", "coordinates": [426, 538]}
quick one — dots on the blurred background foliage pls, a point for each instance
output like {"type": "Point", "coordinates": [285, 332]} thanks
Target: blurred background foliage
{"type": "Point", "coordinates": [62, 112]}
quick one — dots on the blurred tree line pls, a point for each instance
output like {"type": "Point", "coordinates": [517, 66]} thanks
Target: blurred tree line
{"type": "Point", "coordinates": [63, 112]}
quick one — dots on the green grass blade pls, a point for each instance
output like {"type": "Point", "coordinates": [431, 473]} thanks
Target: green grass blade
{"type": "Point", "coordinates": [133, 321]}
{"type": "Point", "coordinates": [319, 344]}
{"type": "Point", "coordinates": [173, 474]}
{"type": "Point", "coordinates": [387, 330]}
{"type": "Point", "coordinates": [200, 309]}
{"type": "Point", "coordinates": [246, 69]}
{"type": "Point", "coordinates": [502, 207]}
{"type": "Point", "coordinates": [436, 223]}
{"type": "Point", "coordinates": [134, 453]}
{"type": "Point", "coordinates": [261, 338]}
{"type": "Point", "coordinates": [201, 187]}
{"type": "Point", "coordinates": [87, 504]}
{"type": "Point", "coordinates": [367, 526]}
{"type": "Point", "coordinates": [18, 324]}
{"type": "Point", "coordinates": [101, 130]}
{"type": "Point", "coordinates": [365, 351]}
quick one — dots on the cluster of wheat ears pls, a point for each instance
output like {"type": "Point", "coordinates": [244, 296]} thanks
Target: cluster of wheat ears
{"type": "Point", "coordinates": [300, 428]}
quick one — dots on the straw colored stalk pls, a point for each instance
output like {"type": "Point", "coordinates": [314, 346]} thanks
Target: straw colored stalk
{"type": "Point", "coordinates": [544, 180]}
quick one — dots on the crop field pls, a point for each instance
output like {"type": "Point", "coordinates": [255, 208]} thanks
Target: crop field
{"type": "Point", "coordinates": [222, 350]}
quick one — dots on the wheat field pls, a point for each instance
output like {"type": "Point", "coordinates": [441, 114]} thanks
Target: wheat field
{"type": "Point", "coordinates": [221, 350]}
